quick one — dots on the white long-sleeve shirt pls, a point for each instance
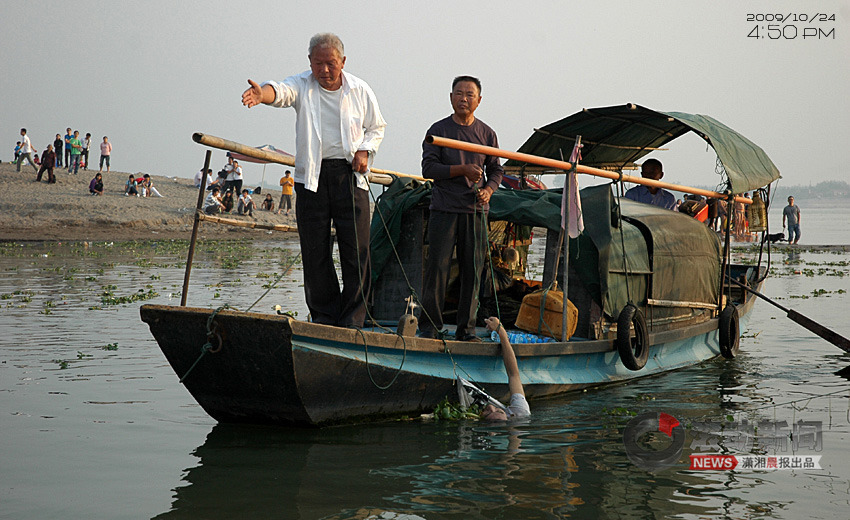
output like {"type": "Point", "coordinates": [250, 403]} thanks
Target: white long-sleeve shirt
{"type": "Point", "coordinates": [361, 123]}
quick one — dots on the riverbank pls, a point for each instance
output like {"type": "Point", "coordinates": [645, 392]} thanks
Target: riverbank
{"type": "Point", "coordinates": [66, 211]}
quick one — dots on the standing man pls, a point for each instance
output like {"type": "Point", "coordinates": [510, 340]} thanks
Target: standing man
{"type": "Point", "coordinates": [286, 185]}
{"type": "Point", "coordinates": [57, 150]}
{"type": "Point", "coordinates": [76, 151]}
{"type": "Point", "coordinates": [338, 129]}
{"type": "Point", "coordinates": [26, 151]}
{"type": "Point", "coordinates": [792, 213]}
{"type": "Point", "coordinates": [68, 137]}
{"type": "Point", "coordinates": [652, 169]}
{"type": "Point", "coordinates": [84, 153]}
{"type": "Point", "coordinates": [463, 183]}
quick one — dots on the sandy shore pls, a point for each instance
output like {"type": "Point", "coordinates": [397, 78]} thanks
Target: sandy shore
{"type": "Point", "coordinates": [66, 211]}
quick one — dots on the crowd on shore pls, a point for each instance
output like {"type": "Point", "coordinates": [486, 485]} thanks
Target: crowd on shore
{"type": "Point", "coordinates": [228, 184]}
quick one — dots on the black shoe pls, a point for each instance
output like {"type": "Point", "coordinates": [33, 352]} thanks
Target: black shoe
{"type": "Point", "coordinates": [471, 338]}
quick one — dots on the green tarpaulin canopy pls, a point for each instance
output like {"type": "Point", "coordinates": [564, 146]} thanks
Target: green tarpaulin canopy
{"type": "Point", "coordinates": [668, 255]}
{"type": "Point", "coordinates": [615, 137]}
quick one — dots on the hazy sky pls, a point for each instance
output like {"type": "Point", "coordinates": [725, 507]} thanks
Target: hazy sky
{"type": "Point", "coordinates": [149, 74]}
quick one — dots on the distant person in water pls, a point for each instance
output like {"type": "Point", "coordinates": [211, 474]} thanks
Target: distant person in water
{"type": "Point", "coordinates": [792, 214]}
{"type": "Point", "coordinates": [518, 406]}
{"type": "Point", "coordinates": [652, 169]}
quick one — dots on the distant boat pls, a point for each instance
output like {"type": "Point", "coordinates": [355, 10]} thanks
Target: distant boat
{"type": "Point", "coordinates": [647, 283]}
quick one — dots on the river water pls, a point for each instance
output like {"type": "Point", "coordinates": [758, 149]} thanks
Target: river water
{"type": "Point", "coordinates": [94, 424]}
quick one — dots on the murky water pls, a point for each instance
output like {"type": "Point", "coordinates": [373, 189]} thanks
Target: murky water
{"type": "Point", "coordinates": [93, 421]}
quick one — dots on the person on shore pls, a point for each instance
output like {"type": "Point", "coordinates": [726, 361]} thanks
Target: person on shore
{"type": "Point", "coordinates": [791, 212]}
{"type": "Point", "coordinates": [76, 150]}
{"type": "Point", "coordinates": [518, 407]}
{"type": "Point", "coordinates": [652, 169]}
{"type": "Point", "coordinates": [148, 188]}
{"type": "Point", "coordinates": [84, 152]}
{"type": "Point", "coordinates": [234, 179]}
{"type": "Point", "coordinates": [48, 159]}
{"type": "Point", "coordinates": [130, 187]}
{"type": "Point", "coordinates": [212, 204]}
{"type": "Point", "coordinates": [268, 203]}
{"type": "Point", "coordinates": [246, 204]}
{"type": "Point", "coordinates": [287, 183]}
{"type": "Point", "coordinates": [96, 185]}
{"type": "Point", "coordinates": [57, 150]}
{"type": "Point", "coordinates": [227, 201]}
{"type": "Point", "coordinates": [463, 184]}
{"type": "Point", "coordinates": [17, 150]}
{"type": "Point", "coordinates": [105, 153]}
{"type": "Point", "coordinates": [330, 175]}
{"type": "Point", "coordinates": [67, 139]}
{"type": "Point", "coordinates": [25, 152]}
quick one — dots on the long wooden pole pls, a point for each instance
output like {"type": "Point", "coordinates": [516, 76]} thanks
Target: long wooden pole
{"type": "Point", "coordinates": [265, 155]}
{"type": "Point", "coordinates": [563, 165]}
{"type": "Point", "coordinates": [195, 226]}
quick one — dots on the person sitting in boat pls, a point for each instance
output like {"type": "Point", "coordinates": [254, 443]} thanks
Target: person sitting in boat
{"type": "Point", "coordinates": [652, 169]}
{"type": "Point", "coordinates": [518, 406]}
{"type": "Point", "coordinates": [463, 183]}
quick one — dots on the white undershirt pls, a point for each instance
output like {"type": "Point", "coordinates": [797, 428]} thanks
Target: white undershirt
{"type": "Point", "coordinates": [330, 124]}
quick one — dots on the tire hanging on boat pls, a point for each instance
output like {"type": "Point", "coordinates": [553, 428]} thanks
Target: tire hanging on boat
{"type": "Point", "coordinates": [729, 332]}
{"type": "Point", "coordinates": [633, 351]}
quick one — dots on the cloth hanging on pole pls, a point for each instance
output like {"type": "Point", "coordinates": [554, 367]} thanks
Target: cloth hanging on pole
{"type": "Point", "coordinates": [571, 197]}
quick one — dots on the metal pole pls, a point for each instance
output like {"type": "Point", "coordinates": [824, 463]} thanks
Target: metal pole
{"type": "Point", "coordinates": [195, 226]}
{"type": "Point", "coordinates": [565, 285]}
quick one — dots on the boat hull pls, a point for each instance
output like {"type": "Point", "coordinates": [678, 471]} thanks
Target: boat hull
{"type": "Point", "coordinates": [270, 369]}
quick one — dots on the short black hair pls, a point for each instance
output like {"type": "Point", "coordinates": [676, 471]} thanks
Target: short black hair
{"type": "Point", "coordinates": [653, 164]}
{"type": "Point", "coordinates": [471, 79]}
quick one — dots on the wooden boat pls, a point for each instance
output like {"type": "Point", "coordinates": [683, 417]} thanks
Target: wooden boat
{"type": "Point", "coordinates": [269, 368]}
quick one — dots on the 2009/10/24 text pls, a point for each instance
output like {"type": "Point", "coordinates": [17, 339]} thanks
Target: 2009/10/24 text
{"type": "Point", "coordinates": [789, 30]}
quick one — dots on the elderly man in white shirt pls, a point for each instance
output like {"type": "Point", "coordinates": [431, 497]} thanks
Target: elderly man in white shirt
{"type": "Point", "coordinates": [339, 127]}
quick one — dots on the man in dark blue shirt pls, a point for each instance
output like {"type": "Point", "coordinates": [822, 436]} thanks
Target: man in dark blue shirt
{"type": "Point", "coordinates": [463, 183]}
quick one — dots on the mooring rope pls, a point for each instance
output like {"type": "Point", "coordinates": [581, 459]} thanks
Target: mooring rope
{"type": "Point", "coordinates": [207, 347]}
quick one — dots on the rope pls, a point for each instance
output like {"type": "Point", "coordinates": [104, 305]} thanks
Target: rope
{"type": "Point", "coordinates": [207, 347]}
{"type": "Point", "coordinates": [295, 259]}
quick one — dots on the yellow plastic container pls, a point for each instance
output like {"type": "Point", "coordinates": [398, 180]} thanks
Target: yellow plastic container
{"type": "Point", "coordinates": [529, 314]}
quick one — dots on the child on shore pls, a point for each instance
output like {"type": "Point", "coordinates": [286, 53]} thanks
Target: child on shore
{"type": "Point", "coordinates": [96, 185]}
{"type": "Point", "coordinates": [212, 204]}
{"type": "Point", "coordinates": [246, 204]}
{"type": "Point", "coordinates": [130, 187]}
{"type": "Point", "coordinates": [268, 203]}
{"type": "Point", "coordinates": [147, 187]}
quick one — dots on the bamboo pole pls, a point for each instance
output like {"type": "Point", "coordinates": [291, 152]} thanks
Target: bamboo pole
{"type": "Point", "coordinates": [563, 165]}
{"type": "Point", "coordinates": [241, 223]}
{"type": "Point", "coordinates": [195, 226]}
{"type": "Point", "coordinates": [265, 155]}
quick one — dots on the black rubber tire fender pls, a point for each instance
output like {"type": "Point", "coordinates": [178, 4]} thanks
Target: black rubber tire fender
{"type": "Point", "coordinates": [729, 333]}
{"type": "Point", "coordinates": [634, 351]}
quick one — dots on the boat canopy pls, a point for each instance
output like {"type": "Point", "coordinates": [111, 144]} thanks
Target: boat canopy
{"type": "Point", "coordinates": [669, 256]}
{"type": "Point", "coordinates": [615, 137]}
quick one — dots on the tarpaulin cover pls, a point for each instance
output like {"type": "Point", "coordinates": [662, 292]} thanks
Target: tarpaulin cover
{"type": "Point", "coordinates": [669, 256]}
{"type": "Point", "coordinates": [615, 137]}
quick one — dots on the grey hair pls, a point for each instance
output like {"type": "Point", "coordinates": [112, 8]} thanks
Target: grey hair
{"type": "Point", "coordinates": [326, 39]}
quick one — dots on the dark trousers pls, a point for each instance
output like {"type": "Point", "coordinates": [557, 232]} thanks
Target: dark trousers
{"type": "Point", "coordinates": [49, 169]}
{"type": "Point", "coordinates": [445, 230]}
{"type": "Point", "coordinates": [337, 200]}
{"type": "Point", "coordinates": [85, 158]}
{"type": "Point", "coordinates": [67, 156]}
